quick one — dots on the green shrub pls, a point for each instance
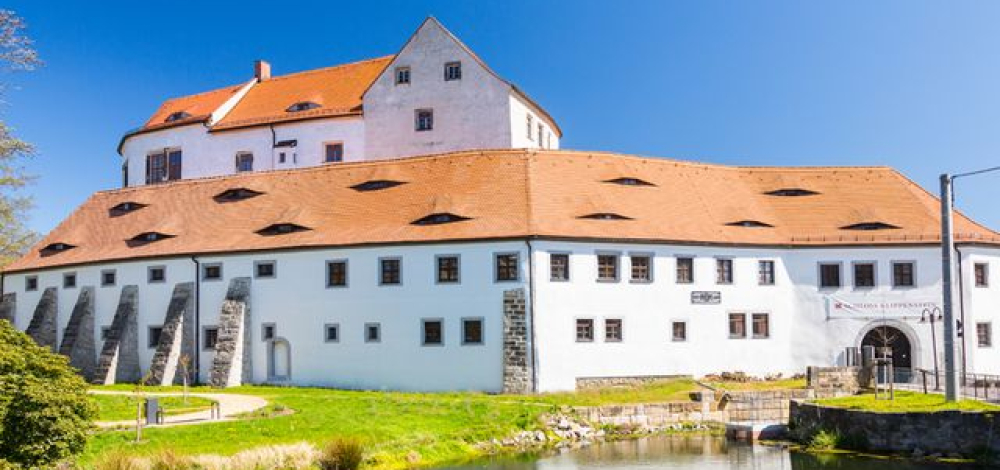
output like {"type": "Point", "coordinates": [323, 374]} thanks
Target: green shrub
{"type": "Point", "coordinates": [341, 454]}
{"type": "Point", "coordinates": [825, 439]}
{"type": "Point", "coordinates": [45, 413]}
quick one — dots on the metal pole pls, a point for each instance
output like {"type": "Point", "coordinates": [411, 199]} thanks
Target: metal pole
{"type": "Point", "coordinates": [937, 372]}
{"type": "Point", "coordinates": [947, 248]}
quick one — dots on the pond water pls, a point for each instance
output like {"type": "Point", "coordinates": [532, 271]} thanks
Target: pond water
{"type": "Point", "coordinates": [696, 452]}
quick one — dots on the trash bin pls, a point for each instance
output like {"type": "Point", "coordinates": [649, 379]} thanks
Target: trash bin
{"type": "Point", "coordinates": [152, 410]}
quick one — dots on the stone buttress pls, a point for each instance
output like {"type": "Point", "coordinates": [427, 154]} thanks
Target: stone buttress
{"type": "Point", "coordinates": [176, 344]}
{"type": "Point", "coordinates": [232, 365]}
{"type": "Point", "coordinates": [119, 359]}
{"type": "Point", "coordinates": [44, 323]}
{"type": "Point", "coordinates": [78, 338]}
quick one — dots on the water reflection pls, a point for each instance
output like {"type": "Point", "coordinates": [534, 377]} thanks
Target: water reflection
{"type": "Point", "coordinates": [695, 452]}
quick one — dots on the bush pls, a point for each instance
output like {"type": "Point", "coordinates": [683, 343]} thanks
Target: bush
{"type": "Point", "coordinates": [341, 454]}
{"type": "Point", "coordinates": [824, 440]}
{"type": "Point", "coordinates": [45, 413]}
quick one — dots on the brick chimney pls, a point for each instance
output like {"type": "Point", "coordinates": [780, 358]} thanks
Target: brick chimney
{"type": "Point", "coordinates": [261, 70]}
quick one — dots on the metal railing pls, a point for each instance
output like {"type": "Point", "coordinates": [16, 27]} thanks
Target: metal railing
{"type": "Point", "coordinates": [972, 385]}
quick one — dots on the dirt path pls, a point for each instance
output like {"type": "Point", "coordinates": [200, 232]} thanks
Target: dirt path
{"type": "Point", "coordinates": [230, 405]}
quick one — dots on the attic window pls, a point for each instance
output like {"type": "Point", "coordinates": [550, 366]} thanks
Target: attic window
{"type": "Point", "coordinates": [57, 247]}
{"type": "Point", "coordinates": [869, 226]}
{"type": "Point", "coordinates": [749, 224]}
{"type": "Point", "coordinates": [177, 116]}
{"type": "Point", "coordinates": [281, 229]}
{"type": "Point", "coordinates": [376, 185]}
{"type": "Point", "coordinates": [792, 192]}
{"type": "Point", "coordinates": [149, 237]}
{"type": "Point", "coordinates": [439, 218]}
{"type": "Point", "coordinates": [236, 194]}
{"type": "Point", "coordinates": [629, 181]}
{"type": "Point", "coordinates": [302, 106]}
{"type": "Point", "coordinates": [605, 216]}
{"type": "Point", "coordinates": [125, 208]}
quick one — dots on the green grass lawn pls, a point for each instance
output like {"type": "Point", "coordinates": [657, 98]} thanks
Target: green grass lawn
{"type": "Point", "coordinates": [905, 402]}
{"type": "Point", "coordinates": [123, 407]}
{"type": "Point", "coordinates": [761, 385]}
{"type": "Point", "coordinates": [661, 391]}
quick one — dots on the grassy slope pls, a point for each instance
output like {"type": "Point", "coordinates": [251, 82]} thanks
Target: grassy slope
{"type": "Point", "coordinates": [122, 407]}
{"type": "Point", "coordinates": [906, 402]}
{"type": "Point", "coordinates": [783, 384]}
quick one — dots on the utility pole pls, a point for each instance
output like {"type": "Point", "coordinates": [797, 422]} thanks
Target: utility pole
{"type": "Point", "coordinates": [951, 386]}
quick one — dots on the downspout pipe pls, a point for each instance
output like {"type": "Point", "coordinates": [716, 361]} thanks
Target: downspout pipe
{"type": "Point", "coordinates": [197, 320]}
{"type": "Point", "coordinates": [531, 316]}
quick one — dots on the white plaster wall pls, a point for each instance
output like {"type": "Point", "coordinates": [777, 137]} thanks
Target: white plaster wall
{"type": "Point", "coordinates": [519, 111]}
{"type": "Point", "coordinates": [471, 113]}
{"type": "Point", "coordinates": [982, 304]}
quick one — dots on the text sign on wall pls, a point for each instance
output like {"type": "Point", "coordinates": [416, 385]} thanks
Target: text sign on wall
{"type": "Point", "coordinates": [706, 297]}
{"type": "Point", "coordinates": [839, 307]}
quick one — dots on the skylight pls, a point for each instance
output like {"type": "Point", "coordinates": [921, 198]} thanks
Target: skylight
{"type": "Point", "coordinates": [282, 229]}
{"type": "Point", "coordinates": [125, 208]}
{"type": "Point", "coordinates": [236, 194]}
{"type": "Point", "coordinates": [302, 106]}
{"type": "Point", "coordinates": [439, 218]}
{"type": "Point", "coordinates": [792, 192]}
{"type": "Point", "coordinates": [870, 226]}
{"type": "Point", "coordinates": [629, 181]}
{"type": "Point", "coordinates": [605, 216]}
{"type": "Point", "coordinates": [177, 116]}
{"type": "Point", "coordinates": [376, 185]}
{"type": "Point", "coordinates": [749, 224]}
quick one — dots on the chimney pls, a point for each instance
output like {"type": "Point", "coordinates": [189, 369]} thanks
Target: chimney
{"type": "Point", "coordinates": [261, 70]}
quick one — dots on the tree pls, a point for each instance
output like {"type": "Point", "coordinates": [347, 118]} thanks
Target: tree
{"type": "Point", "coordinates": [45, 412]}
{"type": "Point", "coordinates": [16, 54]}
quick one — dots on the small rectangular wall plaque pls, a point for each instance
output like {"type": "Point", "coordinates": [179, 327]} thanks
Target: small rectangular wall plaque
{"type": "Point", "coordinates": [706, 297]}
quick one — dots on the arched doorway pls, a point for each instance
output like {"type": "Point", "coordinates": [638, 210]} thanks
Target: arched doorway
{"type": "Point", "coordinates": [886, 336]}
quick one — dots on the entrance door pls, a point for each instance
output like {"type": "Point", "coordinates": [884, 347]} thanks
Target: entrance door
{"type": "Point", "coordinates": [892, 338]}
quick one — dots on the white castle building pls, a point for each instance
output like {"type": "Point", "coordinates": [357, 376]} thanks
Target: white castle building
{"type": "Point", "coordinates": [407, 222]}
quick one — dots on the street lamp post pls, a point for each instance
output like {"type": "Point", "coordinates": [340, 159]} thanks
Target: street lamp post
{"type": "Point", "coordinates": [931, 315]}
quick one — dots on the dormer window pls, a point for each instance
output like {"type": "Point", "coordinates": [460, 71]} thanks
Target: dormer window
{"type": "Point", "coordinates": [376, 185]}
{"type": "Point", "coordinates": [125, 208]}
{"type": "Point", "coordinates": [236, 194]}
{"type": "Point", "coordinates": [749, 224]}
{"type": "Point", "coordinates": [439, 218]}
{"type": "Point", "coordinates": [452, 71]}
{"type": "Point", "coordinates": [870, 226]}
{"type": "Point", "coordinates": [281, 229]}
{"type": "Point", "coordinates": [629, 181]}
{"type": "Point", "coordinates": [149, 237]}
{"type": "Point", "coordinates": [605, 216]}
{"type": "Point", "coordinates": [792, 192]}
{"type": "Point", "coordinates": [177, 116]}
{"type": "Point", "coordinates": [302, 106]}
{"type": "Point", "coordinates": [402, 75]}
{"type": "Point", "coordinates": [54, 248]}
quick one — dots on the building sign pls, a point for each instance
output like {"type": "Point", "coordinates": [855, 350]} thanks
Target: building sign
{"type": "Point", "coordinates": [706, 297]}
{"type": "Point", "coordinates": [878, 307]}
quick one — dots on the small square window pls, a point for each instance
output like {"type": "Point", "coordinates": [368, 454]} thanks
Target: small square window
{"type": "Point", "coordinates": [373, 332]}
{"type": "Point", "coordinates": [559, 267]}
{"type": "Point", "coordinates": [507, 267]}
{"type": "Point", "coordinates": [448, 269]}
{"type": "Point", "coordinates": [679, 331]}
{"type": "Point", "coordinates": [105, 333]}
{"type": "Point", "coordinates": [723, 271]}
{"type": "Point", "coordinates": [424, 119]}
{"type": "Point", "coordinates": [211, 338]}
{"type": "Point", "coordinates": [902, 274]}
{"type": "Point", "coordinates": [472, 331]}
{"type": "Point", "coordinates": [737, 325]}
{"type": "Point", "coordinates": [390, 271]}
{"type": "Point", "coordinates": [453, 71]}
{"type": "Point", "coordinates": [211, 272]}
{"type": "Point", "coordinates": [402, 75]}
{"type": "Point", "coordinates": [31, 283]}
{"type": "Point", "coordinates": [331, 333]}
{"type": "Point", "coordinates": [607, 268]}
{"type": "Point", "coordinates": [613, 330]}
{"type": "Point", "coordinates": [642, 268]}
{"type": "Point", "coordinates": [761, 326]}
{"type": "Point", "coordinates": [765, 273]}
{"type": "Point", "coordinates": [584, 330]}
{"type": "Point", "coordinates": [333, 152]}
{"type": "Point", "coordinates": [864, 275]}
{"type": "Point", "coordinates": [108, 277]}
{"type": "Point", "coordinates": [265, 269]}
{"type": "Point", "coordinates": [157, 274]}
{"type": "Point", "coordinates": [982, 271]}
{"type": "Point", "coordinates": [336, 273]}
{"type": "Point", "coordinates": [829, 275]}
{"type": "Point", "coordinates": [685, 270]}
{"type": "Point", "coordinates": [153, 336]}
{"type": "Point", "coordinates": [433, 332]}
{"type": "Point", "coordinates": [984, 334]}
{"type": "Point", "coordinates": [69, 280]}
{"type": "Point", "coordinates": [268, 331]}
{"type": "Point", "coordinates": [244, 162]}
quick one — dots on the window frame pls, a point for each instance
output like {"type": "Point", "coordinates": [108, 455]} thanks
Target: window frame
{"type": "Point", "coordinates": [70, 275]}
{"type": "Point", "coordinates": [417, 121]}
{"type": "Point", "coordinates": [258, 263]}
{"type": "Point", "coordinates": [423, 331]}
{"type": "Point", "coordinates": [114, 277]}
{"type": "Point", "coordinates": [743, 321]}
{"type": "Point", "coordinates": [529, 122]}
{"type": "Point", "coordinates": [381, 270]}
{"type": "Point", "coordinates": [104, 333]}
{"type": "Point", "coordinates": [149, 336]}
{"type": "Point", "coordinates": [149, 274]}
{"type": "Point", "coordinates": [649, 267]}
{"type": "Point", "coordinates": [240, 159]}
{"type": "Point", "coordinates": [396, 75]}
{"type": "Point", "coordinates": [30, 283]}
{"type": "Point", "coordinates": [617, 265]}
{"type": "Point", "coordinates": [496, 266]}
{"type": "Point", "coordinates": [326, 332]}
{"type": "Point", "coordinates": [773, 280]}
{"type": "Point", "coordinates": [576, 329]}
{"type": "Point", "coordinates": [753, 325]}
{"type": "Point", "coordinates": [482, 331]}
{"type": "Point", "coordinates": [621, 330]}
{"type": "Point", "coordinates": [452, 65]}
{"type": "Point", "coordinates": [204, 337]}
{"type": "Point", "coordinates": [334, 143]}
{"type": "Point", "coordinates": [913, 274]}
{"type": "Point", "coordinates": [328, 278]}
{"type": "Point", "coordinates": [986, 274]}
{"type": "Point", "coordinates": [719, 262]}
{"type": "Point", "coordinates": [677, 269]}
{"type": "Point", "coordinates": [263, 331]}
{"type": "Point", "coordinates": [567, 276]}
{"type": "Point", "coordinates": [840, 275]}
{"type": "Point", "coordinates": [378, 331]}
{"type": "Point", "coordinates": [204, 272]}
{"type": "Point", "coordinates": [854, 274]}
{"type": "Point", "coordinates": [458, 269]}
{"type": "Point", "coordinates": [673, 331]}
{"type": "Point", "coordinates": [988, 343]}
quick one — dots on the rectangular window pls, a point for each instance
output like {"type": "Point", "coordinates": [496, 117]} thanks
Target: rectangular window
{"type": "Point", "coordinates": [584, 330]}
{"type": "Point", "coordinates": [336, 273]}
{"type": "Point", "coordinates": [984, 334]}
{"type": "Point", "coordinates": [402, 75]}
{"type": "Point", "coordinates": [390, 271]}
{"type": "Point", "coordinates": [642, 268]}
{"type": "Point", "coordinates": [453, 71]}
{"type": "Point", "coordinates": [156, 168]}
{"type": "Point", "coordinates": [529, 126]}
{"type": "Point", "coordinates": [333, 152]}
{"type": "Point", "coordinates": [373, 332]}
{"type": "Point", "coordinates": [174, 165]}
{"type": "Point", "coordinates": [108, 277]}
{"type": "Point", "coordinates": [211, 338]}
{"type": "Point", "coordinates": [607, 268]}
{"type": "Point", "coordinates": [265, 269]}
{"type": "Point", "coordinates": [433, 332]}
{"type": "Point", "coordinates": [507, 267]}
{"type": "Point", "coordinates": [541, 133]}
{"type": "Point", "coordinates": [765, 273]}
{"type": "Point", "coordinates": [211, 272]}
{"type": "Point", "coordinates": [982, 275]}
{"type": "Point", "coordinates": [472, 331]}
{"type": "Point", "coordinates": [559, 267]}
{"type": "Point", "coordinates": [685, 270]}
{"type": "Point", "coordinates": [153, 336]}
{"type": "Point", "coordinates": [723, 271]}
{"type": "Point", "coordinates": [829, 275]}
{"type": "Point", "coordinates": [69, 280]}
{"type": "Point", "coordinates": [30, 283]}
{"type": "Point", "coordinates": [157, 274]}
{"type": "Point", "coordinates": [448, 269]}
{"type": "Point", "coordinates": [105, 333]}
{"type": "Point", "coordinates": [613, 330]}
{"type": "Point", "coordinates": [331, 333]}
{"type": "Point", "coordinates": [424, 119]}
{"type": "Point", "coordinates": [864, 275]}
{"type": "Point", "coordinates": [761, 326]}
{"type": "Point", "coordinates": [268, 331]}
{"type": "Point", "coordinates": [244, 162]}
{"type": "Point", "coordinates": [679, 331]}
{"type": "Point", "coordinates": [902, 274]}
{"type": "Point", "coordinates": [737, 325]}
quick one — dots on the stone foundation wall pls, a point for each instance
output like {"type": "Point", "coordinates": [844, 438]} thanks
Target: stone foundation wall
{"type": "Point", "coordinates": [761, 407]}
{"type": "Point", "coordinates": [650, 414]}
{"type": "Point", "coordinates": [517, 371]}
{"type": "Point", "coordinates": [583, 383]}
{"type": "Point", "coordinates": [836, 381]}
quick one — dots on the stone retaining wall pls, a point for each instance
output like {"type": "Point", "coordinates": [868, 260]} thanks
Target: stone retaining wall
{"type": "Point", "coordinates": [650, 414]}
{"type": "Point", "coordinates": [761, 407]}
{"type": "Point", "coordinates": [944, 432]}
{"type": "Point", "coordinates": [836, 381]}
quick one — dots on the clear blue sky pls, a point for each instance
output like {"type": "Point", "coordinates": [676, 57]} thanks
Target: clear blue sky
{"type": "Point", "coordinates": [909, 84]}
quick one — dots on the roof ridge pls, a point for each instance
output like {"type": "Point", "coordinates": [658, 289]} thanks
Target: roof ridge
{"type": "Point", "coordinates": [203, 93]}
{"type": "Point", "coordinates": [327, 68]}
